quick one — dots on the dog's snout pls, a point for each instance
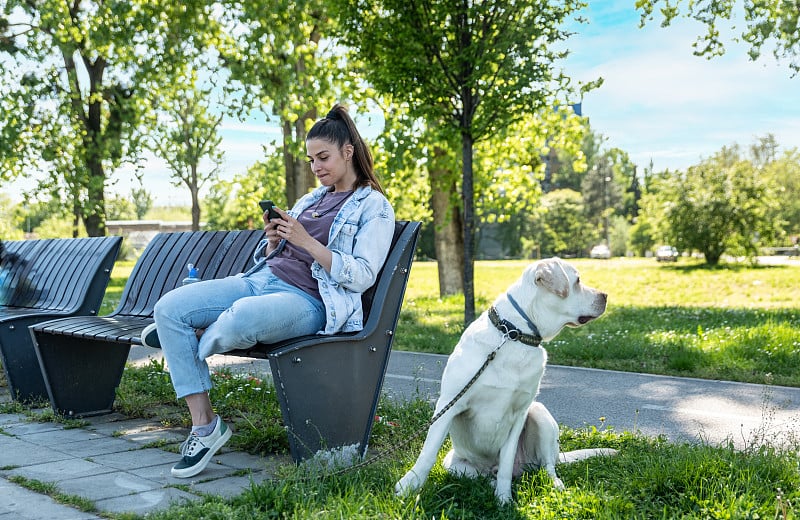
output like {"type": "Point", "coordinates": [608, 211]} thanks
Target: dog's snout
{"type": "Point", "coordinates": [604, 297]}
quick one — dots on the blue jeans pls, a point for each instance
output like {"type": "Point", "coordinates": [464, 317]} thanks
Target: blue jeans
{"type": "Point", "coordinates": [236, 312]}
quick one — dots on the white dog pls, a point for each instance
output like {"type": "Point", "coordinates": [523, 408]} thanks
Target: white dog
{"type": "Point", "coordinates": [496, 427]}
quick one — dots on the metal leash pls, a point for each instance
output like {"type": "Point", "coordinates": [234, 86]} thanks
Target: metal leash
{"type": "Point", "coordinates": [424, 428]}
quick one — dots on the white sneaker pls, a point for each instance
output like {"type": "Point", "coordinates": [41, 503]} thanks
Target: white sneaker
{"type": "Point", "coordinates": [150, 336]}
{"type": "Point", "coordinates": [197, 451]}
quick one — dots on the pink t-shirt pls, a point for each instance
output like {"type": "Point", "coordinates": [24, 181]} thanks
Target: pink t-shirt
{"type": "Point", "coordinates": [293, 264]}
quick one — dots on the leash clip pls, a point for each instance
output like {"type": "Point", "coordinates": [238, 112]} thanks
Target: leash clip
{"type": "Point", "coordinates": [509, 331]}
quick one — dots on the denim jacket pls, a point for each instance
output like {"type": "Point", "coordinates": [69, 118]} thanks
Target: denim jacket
{"type": "Point", "coordinates": [360, 238]}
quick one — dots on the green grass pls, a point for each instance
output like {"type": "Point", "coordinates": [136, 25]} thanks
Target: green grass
{"type": "Point", "coordinates": [738, 323]}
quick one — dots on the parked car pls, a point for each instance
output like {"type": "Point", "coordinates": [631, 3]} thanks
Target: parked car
{"type": "Point", "coordinates": [667, 254]}
{"type": "Point", "coordinates": [600, 251]}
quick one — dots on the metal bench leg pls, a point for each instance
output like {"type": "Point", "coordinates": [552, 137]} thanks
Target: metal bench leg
{"type": "Point", "coordinates": [328, 395]}
{"type": "Point", "coordinates": [19, 361]}
{"type": "Point", "coordinates": [81, 375]}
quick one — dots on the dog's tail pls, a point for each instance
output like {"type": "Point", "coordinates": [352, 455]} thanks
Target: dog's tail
{"type": "Point", "coordinates": [567, 457]}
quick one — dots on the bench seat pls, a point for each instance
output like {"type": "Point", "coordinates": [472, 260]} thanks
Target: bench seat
{"type": "Point", "coordinates": [48, 278]}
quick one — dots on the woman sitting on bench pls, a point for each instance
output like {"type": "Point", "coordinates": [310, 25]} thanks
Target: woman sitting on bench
{"type": "Point", "coordinates": [311, 269]}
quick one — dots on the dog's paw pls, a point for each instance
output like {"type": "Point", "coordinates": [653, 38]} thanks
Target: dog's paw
{"type": "Point", "coordinates": [503, 496]}
{"type": "Point", "coordinates": [408, 484]}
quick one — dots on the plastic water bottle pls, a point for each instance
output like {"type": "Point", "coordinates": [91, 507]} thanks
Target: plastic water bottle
{"type": "Point", "coordinates": [192, 276]}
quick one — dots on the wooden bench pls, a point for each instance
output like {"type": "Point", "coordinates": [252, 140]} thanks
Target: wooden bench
{"type": "Point", "coordinates": [42, 280]}
{"type": "Point", "coordinates": [328, 386]}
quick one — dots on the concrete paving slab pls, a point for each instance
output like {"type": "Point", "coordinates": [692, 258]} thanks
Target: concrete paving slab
{"type": "Point", "coordinates": [56, 438]}
{"type": "Point", "coordinates": [134, 459]}
{"type": "Point", "coordinates": [229, 487]}
{"type": "Point", "coordinates": [23, 429]}
{"type": "Point", "coordinates": [123, 428]}
{"type": "Point", "coordinates": [19, 503]}
{"type": "Point", "coordinates": [11, 418]}
{"type": "Point", "coordinates": [61, 470]}
{"type": "Point", "coordinates": [108, 485]}
{"type": "Point", "coordinates": [17, 452]}
{"type": "Point", "coordinates": [146, 502]}
{"type": "Point", "coordinates": [96, 447]}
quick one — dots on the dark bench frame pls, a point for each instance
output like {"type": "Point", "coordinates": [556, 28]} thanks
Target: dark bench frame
{"type": "Point", "coordinates": [328, 395]}
{"type": "Point", "coordinates": [68, 277]}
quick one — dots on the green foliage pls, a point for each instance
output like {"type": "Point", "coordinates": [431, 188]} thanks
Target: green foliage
{"type": "Point", "coordinates": [120, 208]}
{"type": "Point", "coordinates": [186, 134]}
{"type": "Point", "coordinates": [783, 175]}
{"type": "Point", "coordinates": [767, 23]}
{"type": "Point", "coordinates": [142, 201]}
{"type": "Point", "coordinates": [722, 203]}
{"type": "Point", "coordinates": [283, 58]}
{"type": "Point", "coordinates": [562, 229]}
{"type": "Point", "coordinates": [469, 69]}
{"type": "Point", "coordinates": [91, 70]}
{"type": "Point", "coordinates": [234, 204]}
{"type": "Point", "coordinates": [9, 225]}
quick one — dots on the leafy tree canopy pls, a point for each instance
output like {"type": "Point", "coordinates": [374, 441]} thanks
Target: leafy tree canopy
{"type": "Point", "coordinates": [766, 23]}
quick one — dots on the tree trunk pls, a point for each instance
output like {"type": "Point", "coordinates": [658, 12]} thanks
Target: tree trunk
{"type": "Point", "coordinates": [468, 191]}
{"type": "Point", "coordinates": [94, 211]}
{"type": "Point", "coordinates": [299, 177]}
{"type": "Point", "coordinates": [447, 226]}
{"type": "Point", "coordinates": [194, 189]}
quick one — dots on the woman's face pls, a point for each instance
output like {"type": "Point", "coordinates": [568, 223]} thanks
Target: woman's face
{"type": "Point", "coordinates": [332, 165]}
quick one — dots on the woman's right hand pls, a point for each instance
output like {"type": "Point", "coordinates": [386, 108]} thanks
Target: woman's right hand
{"type": "Point", "coordinates": [271, 231]}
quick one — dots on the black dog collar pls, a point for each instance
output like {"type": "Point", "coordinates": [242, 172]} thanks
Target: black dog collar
{"type": "Point", "coordinates": [510, 330]}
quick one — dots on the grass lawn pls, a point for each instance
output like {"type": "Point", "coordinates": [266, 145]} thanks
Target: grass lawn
{"type": "Point", "coordinates": [739, 323]}
{"type": "Point", "coordinates": [735, 323]}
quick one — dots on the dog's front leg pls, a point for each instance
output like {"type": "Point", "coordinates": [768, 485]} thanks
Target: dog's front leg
{"type": "Point", "coordinates": [416, 476]}
{"type": "Point", "coordinates": [505, 464]}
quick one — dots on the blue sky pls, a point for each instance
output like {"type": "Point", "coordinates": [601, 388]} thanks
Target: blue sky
{"type": "Point", "coordinates": [658, 101]}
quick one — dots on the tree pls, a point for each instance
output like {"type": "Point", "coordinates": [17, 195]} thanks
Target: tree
{"type": "Point", "coordinates": [471, 68]}
{"type": "Point", "coordinates": [784, 174]}
{"type": "Point", "coordinates": [766, 22]}
{"type": "Point", "coordinates": [187, 134]}
{"type": "Point", "coordinates": [721, 204]}
{"type": "Point", "coordinates": [284, 59]}
{"type": "Point", "coordinates": [234, 204]}
{"type": "Point", "coordinates": [88, 71]}
{"type": "Point", "coordinates": [562, 227]}
{"type": "Point", "coordinates": [602, 194]}
{"type": "Point", "coordinates": [142, 201]}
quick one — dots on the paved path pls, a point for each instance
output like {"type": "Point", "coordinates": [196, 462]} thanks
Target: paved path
{"type": "Point", "coordinates": [113, 462]}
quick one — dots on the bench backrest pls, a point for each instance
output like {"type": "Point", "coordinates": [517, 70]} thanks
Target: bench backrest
{"type": "Point", "coordinates": [57, 274]}
{"type": "Point", "coordinates": [162, 265]}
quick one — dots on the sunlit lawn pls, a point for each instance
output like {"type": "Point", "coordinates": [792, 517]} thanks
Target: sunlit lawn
{"type": "Point", "coordinates": [735, 322]}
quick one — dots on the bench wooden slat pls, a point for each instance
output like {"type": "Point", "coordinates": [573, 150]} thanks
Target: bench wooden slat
{"type": "Point", "coordinates": [69, 277]}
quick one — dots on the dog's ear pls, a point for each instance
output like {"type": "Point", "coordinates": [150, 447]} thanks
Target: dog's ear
{"type": "Point", "coordinates": [550, 275]}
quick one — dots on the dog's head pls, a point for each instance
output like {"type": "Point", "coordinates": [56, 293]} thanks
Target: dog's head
{"type": "Point", "coordinates": [552, 294]}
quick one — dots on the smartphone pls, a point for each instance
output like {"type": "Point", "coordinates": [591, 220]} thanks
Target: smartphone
{"type": "Point", "coordinates": [268, 206]}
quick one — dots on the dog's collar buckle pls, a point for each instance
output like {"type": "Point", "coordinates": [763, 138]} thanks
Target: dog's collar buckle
{"type": "Point", "coordinates": [511, 332]}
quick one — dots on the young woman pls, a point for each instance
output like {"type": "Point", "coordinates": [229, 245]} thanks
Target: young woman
{"type": "Point", "coordinates": [309, 273]}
